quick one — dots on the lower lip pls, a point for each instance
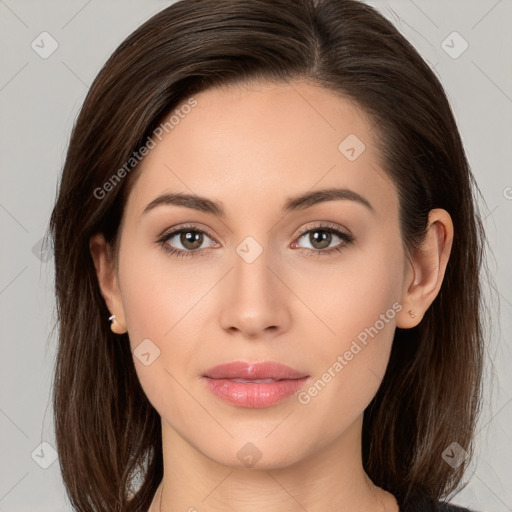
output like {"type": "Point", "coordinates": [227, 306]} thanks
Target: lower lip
{"type": "Point", "coordinates": [254, 395]}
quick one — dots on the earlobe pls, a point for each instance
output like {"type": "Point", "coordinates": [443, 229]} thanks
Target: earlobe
{"type": "Point", "coordinates": [108, 281]}
{"type": "Point", "coordinates": [426, 269]}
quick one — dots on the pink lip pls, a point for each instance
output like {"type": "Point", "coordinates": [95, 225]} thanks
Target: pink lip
{"type": "Point", "coordinates": [286, 381]}
{"type": "Point", "coordinates": [249, 371]}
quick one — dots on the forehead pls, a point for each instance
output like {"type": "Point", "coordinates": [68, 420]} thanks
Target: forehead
{"type": "Point", "coordinates": [262, 142]}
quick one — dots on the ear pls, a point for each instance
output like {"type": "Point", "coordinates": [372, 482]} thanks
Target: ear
{"type": "Point", "coordinates": [106, 273]}
{"type": "Point", "coordinates": [426, 269]}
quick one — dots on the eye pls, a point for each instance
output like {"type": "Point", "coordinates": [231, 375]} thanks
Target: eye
{"type": "Point", "coordinates": [321, 236]}
{"type": "Point", "coordinates": [190, 238]}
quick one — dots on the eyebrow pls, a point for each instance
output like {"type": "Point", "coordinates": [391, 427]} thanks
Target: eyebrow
{"type": "Point", "coordinates": [301, 202]}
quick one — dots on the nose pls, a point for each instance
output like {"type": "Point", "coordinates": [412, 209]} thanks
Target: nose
{"type": "Point", "coordinates": [254, 296]}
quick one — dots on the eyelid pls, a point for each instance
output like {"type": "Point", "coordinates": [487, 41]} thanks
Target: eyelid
{"type": "Point", "coordinates": [318, 225]}
{"type": "Point", "coordinates": [325, 225]}
{"type": "Point", "coordinates": [343, 233]}
{"type": "Point", "coordinates": [180, 227]}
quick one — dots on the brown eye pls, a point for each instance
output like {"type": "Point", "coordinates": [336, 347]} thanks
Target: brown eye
{"type": "Point", "coordinates": [320, 239]}
{"type": "Point", "coordinates": [186, 241]}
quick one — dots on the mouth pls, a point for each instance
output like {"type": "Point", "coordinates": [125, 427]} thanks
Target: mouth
{"type": "Point", "coordinates": [258, 381]}
{"type": "Point", "coordinates": [254, 385]}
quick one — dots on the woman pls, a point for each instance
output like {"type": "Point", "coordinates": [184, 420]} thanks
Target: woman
{"type": "Point", "coordinates": [267, 264]}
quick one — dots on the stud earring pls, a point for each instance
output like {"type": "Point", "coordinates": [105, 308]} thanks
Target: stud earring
{"type": "Point", "coordinates": [413, 313]}
{"type": "Point", "coordinates": [114, 326]}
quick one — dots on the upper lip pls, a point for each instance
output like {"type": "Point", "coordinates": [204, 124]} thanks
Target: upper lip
{"type": "Point", "coordinates": [253, 371]}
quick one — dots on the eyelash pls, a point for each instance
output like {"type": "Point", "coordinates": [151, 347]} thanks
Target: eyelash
{"type": "Point", "coordinates": [330, 228]}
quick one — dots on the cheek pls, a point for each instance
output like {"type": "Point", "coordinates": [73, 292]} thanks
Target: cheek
{"type": "Point", "coordinates": [349, 369]}
{"type": "Point", "coordinates": [352, 295]}
{"type": "Point", "coordinates": [164, 312]}
{"type": "Point", "coordinates": [348, 379]}
{"type": "Point", "coordinates": [155, 294]}
{"type": "Point", "coordinates": [359, 305]}
{"type": "Point", "coordinates": [147, 301]}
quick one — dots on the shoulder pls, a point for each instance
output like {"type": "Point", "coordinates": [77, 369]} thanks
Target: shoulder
{"type": "Point", "coordinates": [448, 507]}
{"type": "Point", "coordinates": [423, 503]}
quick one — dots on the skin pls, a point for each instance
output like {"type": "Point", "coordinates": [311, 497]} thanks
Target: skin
{"type": "Point", "coordinates": [251, 148]}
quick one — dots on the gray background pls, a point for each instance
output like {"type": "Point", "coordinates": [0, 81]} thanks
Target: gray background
{"type": "Point", "coordinates": [39, 101]}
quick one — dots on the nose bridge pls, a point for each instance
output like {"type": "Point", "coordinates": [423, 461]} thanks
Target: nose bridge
{"type": "Point", "coordinates": [251, 272]}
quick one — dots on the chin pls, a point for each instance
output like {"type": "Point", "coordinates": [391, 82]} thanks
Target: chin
{"type": "Point", "coordinates": [256, 454]}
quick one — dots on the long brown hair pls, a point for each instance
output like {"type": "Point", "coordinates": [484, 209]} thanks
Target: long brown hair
{"type": "Point", "coordinates": [108, 434]}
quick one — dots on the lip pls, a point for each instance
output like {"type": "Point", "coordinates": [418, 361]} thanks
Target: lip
{"type": "Point", "coordinates": [226, 381]}
{"type": "Point", "coordinates": [251, 371]}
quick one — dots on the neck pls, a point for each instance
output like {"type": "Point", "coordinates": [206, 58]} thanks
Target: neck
{"type": "Point", "coordinates": [331, 478]}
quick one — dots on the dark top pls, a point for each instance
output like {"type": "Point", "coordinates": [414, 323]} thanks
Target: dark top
{"type": "Point", "coordinates": [426, 504]}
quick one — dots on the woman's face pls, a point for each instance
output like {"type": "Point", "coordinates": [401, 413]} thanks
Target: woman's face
{"type": "Point", "coordinates": [269, 279]}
